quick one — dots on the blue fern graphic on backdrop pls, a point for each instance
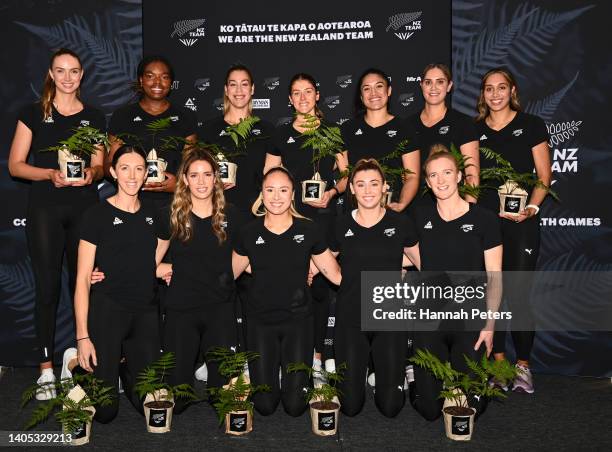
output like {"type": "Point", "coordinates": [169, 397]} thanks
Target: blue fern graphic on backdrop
{"type": "Point", "coordinates": [109, 47]}
{"type": "Point", "coordinates": [546, 108]}
{"type": "Point", "coordinates": [463, 24]}
{"type": "Point", "coordinates": [482, 52]}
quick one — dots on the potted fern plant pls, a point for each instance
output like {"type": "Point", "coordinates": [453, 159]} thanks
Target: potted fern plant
{"type": "Point", "coordinates": [72, 152]}
{"type": "Point", "coordinates": [158, 395]}
{"type": "Point", "coordinates": [233, 400]}
{"type": "Point", "coordinates": [513, 191]}
{"type": "Point", "coordinates": [325, 142]}
{"type": "Point", "coordinates": [323, 400]}
{"type": "Point", "coordinates": [459, 387]}
{"type": "Point", "coordinates": [74, 402]}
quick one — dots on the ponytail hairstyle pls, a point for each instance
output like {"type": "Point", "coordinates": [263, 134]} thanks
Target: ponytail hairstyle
{"type": "Point", "coordinates": [48, 92]}
{"type": "Point", "coordinates": [233, 68]}
{"type": "Point", "coordinates": [259, 209]}
{"type": "Point", "coordinates": [310, 79]}
{"type": "Point", "coordinates": [483, 108]}
{"type": "Point", "coordinates": [180, 212]}
{"type": "Point", "coordinates": [359, 107]}
{"type": "Point", "coordinates": [364, 165]}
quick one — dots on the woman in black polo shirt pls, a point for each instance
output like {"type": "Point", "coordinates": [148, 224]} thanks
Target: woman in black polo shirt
{"type": "Point", "coordinates": [279, 246]}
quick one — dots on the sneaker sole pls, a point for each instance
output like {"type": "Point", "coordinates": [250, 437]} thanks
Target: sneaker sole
{"type": "Point", "coordinates": [520, 390]}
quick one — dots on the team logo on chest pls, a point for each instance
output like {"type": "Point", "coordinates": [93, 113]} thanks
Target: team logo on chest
{"type": "Point", "coordinates": [467, 227]}
{"type": "Point", "coordinates": [443, 130]}
{"type": "Point", "coordinates": [349, 233]}
{"type": "Point", "coordinates": [517, 132]}
{"type": "Point", "coordinates": [49, 120]}
{"type": "Point", "coordinates": [149, 220]}
{"type": "Point", "coordinates": [483, 137]}
{"type": "Point", "coordinates": [117, 221]}
{"type": "Point", "coordinates": [84, 123]}
{"type": "Point", "coordinates": [224, 224]}
{"type": "Point", "coordinates": [137, 119]}
{"type": "Point", "coordinates": [391, 133]}
{"type": "Point", "coordinates": [428, 225]}
{"type": "Point", "coordinates": [255, 132]}
{"type": "Point", "coordinates": [290, 140]}
{"type": "Point", "coordinates": [222, 133]}
{"type": "Point", "coordinates": [174, 118]}
{"type": "Point", "coordinates": [298, 238]}
{"type": "Point", "coordinates": [390, 232]}
{"type": "Point", "coordinates": [359, 132]}
{"type": "Point", "coordinates": [259, 241]}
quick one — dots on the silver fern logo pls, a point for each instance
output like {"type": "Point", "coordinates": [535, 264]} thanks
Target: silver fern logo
{"type": "Point", "coordinates": [560, 132]}
{"type": "Point", "coordinates": [188, 31]}
{"type": "Point", "coordinates": [202, 84]}
{"type": "Point", "coordinates": [404, 25]}
{"type": "Point", "coordinates": [272, 83]}
{"type": "Point", "coordinates": [344, 80]}
{"type": "Point", "coordinates": [405, 99]}
{"type": "Point", "coordinates": [332, 102]}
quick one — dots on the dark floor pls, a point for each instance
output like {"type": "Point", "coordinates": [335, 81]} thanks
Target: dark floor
{"type": "Point", "coordinates": [565, 413]}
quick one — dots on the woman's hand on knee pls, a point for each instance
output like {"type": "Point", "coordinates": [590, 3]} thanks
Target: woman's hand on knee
{"type": "Point", "coordinates": [86, 353]}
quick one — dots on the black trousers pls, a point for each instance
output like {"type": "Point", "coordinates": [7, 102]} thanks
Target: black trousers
{"type": "Point", "coordinates": [387, 350]}
{"type": "Point", "coordinates": [521, 249]}
{"type": "Point", "coordinates": [116, 333]}
{"type": "Point", "coordinates": [192, 332]}
{"type": "Point", "coordinates": [51, 230]}
{"type": "Point", "coordinates": [279, 345]}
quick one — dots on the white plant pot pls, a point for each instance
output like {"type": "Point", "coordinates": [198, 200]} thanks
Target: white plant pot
{"type": "Point", "coordinates": [158, 418]}
{"type": "Point", "coordinates": [324, 420]}
{"type": "Point", "coordinates": [512, 198]}
{"type": "Point", "coordinates": [459, 427]}
{"type": "Point", "coordinates": [82, 434]}
{"type": "Point", "coordinates": [238, 422]}
{"type": "Point", "coordinates": [313, 189]}
{"type": "Point", "coordinates": [156, 167]}
{"type": "Point", "coordinates": [71, 166]}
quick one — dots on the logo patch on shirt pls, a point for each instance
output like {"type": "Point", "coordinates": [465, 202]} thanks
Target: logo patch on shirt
{"type": "Point", "coordinates": [528, 251]}
{"type": "Point", "coordinates": [517, 132]}
{"type": "Point", "coordinates": [443, 130]}
{"type": "Point", "coordinates": [391, 133]}
{"type": "Point", "coordinates": [117, 221]}
{"type": "Point", "coordinates": [298, 238]}
{"type": "Point", "coordinates": [174, 118]}
{"type": "Point", "coordinates": [349, 233]}
{"type": "Point", "coordinates": [224, 224]}
{"type": "Point", "coordinates": [49, 120]}
{"type": "Point", "coordinates": [359, 132]}
{"type": "Point", "coordinates": [137, 119]}
{"type": "Point", "coordinates": [290, 140]}
{"type": "Point", "coordinates": [389, 232]}
{"type": "Point", "coordinates": [483, 137]}
{"type": "Point", "coordinates": [428, 225]}
{"type": "Point", "coordinates": [222, 133]}
{"type": "Point", "coordinates": [467, 227]}
{"type": "Point", "coordinates": [84, 123]}
{"type": "Point", "coordinates": [260, 241]}
{"type": "Point", "coordinates": [149, 220]}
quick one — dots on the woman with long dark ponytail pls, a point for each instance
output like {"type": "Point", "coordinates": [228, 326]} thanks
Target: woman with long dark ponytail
{"type": "Point", "coordinates": [55, 205]}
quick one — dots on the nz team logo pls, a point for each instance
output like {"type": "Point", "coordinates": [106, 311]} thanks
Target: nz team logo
{"type": "Point", "coordinates": [332, 102]}
{"type": "Point", "coordinates": [188, 31]}
{"type": "Point", "coordinates": [406, 99]}
{"type": "Point", "coordinates": [218, 103]}
{"type": "Point", "coordinates": [84, 123]}
{"type": "Point", "coordinates": [298, 238]}
{"type": "Point", "coordinates": [389, 232]}
{"type": "Point", "coordinates": [202, 84]}
{"type": "Point", "coordinates": [564, 154]}
{"type": "Point", "coordinates": [467, 227]}
{"type": "Point", "coordinates": [404, 25]}
{"type": "Point", "coordinates": [344, 80]}
{"type": "Point", "coordinates": [272, 83]}
{"type": "Point", "coordinates": [284, 121]}
{"type": "Point", "coordinates": [341, 121]}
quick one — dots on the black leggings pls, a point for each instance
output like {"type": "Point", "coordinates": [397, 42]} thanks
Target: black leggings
{"type": "Point", "coordinates": [521, 248]}
{"type": "Point", "coordinates": [50, 231]}
{"type": "Point", "coordinates": [278, 345]}
{"type": "Point", "coordinates": [118, 333]}
{"type": "Point", "coordinates": [388, 351]}
{"type": "Point", "coordinates": [191, 332]}
{"type": "Point", "coordinates": [447, 346]}
{"type": "Point", "coordinates": [321, 294]}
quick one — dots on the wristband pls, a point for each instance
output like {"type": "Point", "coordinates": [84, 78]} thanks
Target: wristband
{"type": "Point", "coordinates": [534, 207]}
{"type": "Point", "coordinates": [83, 338]}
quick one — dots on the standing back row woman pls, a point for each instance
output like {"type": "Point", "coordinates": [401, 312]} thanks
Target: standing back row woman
{"type": "Point", "coordinates": [438, 124]}
{"type": "Point", "coordinates": [522, 140]}
{"type": "Point", "coordinates": [237, 106]}
{"type": "Point", "coordinates": [376, 133]}
{"type": "Point", "coordinates": [130, 124]}
{"type": "Point", "coordinates": [54, 204]}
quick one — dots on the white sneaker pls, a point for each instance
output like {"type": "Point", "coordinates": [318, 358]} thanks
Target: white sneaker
{"type": "Point", "coordinates": [409, 376]}
{"type": "Point", "coordinates": [372, 379]}
{"type": "Point", "coordinates": [318, 379]}
{"type": "Point", "coordinates": [47, 381]}
{"type": "Point", "coordinates": [120, 387]}
{"type": "Point", "coordinates": [201, 374]}
{"type": "Point", "coordinates": [69, 355]}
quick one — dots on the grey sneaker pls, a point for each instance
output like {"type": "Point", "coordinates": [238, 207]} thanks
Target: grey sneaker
{"type": "Point", "coordinates": [523, 381]}
{"type": "Point", "coordinates": [495, 383]}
